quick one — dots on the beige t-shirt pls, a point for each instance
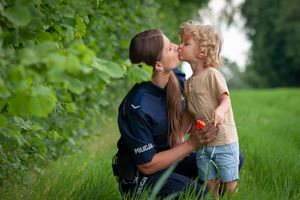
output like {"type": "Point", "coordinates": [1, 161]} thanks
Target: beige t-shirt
{"type": "Point", "coordinates": [202, 94]}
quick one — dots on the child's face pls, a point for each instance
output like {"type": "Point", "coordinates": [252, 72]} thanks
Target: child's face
{"type": "Point", "coordinates": [188, 50]}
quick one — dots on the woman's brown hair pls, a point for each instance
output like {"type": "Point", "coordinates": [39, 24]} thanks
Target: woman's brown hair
{"type": "Point", "coordinates": [146, 47]}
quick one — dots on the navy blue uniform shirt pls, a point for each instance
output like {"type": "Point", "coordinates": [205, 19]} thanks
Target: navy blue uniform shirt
{"type": "Point", "coordinates": [143, 121]}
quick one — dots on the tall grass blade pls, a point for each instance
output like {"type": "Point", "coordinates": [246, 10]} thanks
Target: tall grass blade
{"type": "Point", "coordinates": [162, 180]}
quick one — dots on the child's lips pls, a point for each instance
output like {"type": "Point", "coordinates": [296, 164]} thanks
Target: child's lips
{"type": "Point", "coordinates": [179, 56]}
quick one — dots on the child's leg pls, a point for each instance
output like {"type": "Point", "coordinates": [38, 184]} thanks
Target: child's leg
{"type": "Point", "coordinates": [231, 186]}
{"type": "Point", "coordinates": [206, 169]}
{"type": "Point", "coordinates": [228, 189]}
{"type": "Point", "coordinates": [214, 186]}
{"type": "Point", "coordinates": [227, 161]}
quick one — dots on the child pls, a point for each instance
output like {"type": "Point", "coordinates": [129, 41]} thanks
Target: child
{"type": "Point", "coordinates": [208, 99]}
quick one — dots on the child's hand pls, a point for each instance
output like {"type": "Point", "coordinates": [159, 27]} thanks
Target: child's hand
{"type": "Point", "coordinates": [218, 117]}
{"type": "Point", "coordinates": [203, 136]}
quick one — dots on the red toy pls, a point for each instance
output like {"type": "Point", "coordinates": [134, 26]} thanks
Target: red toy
{"type": "Point", "coordinates": [200, 124]}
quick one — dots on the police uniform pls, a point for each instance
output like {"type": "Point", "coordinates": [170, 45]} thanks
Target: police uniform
{"type": "Point", "coordinates": [143, 124]}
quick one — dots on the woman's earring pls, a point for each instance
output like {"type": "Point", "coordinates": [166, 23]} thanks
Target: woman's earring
{"type": "Point", "coordinates": [161, 70]}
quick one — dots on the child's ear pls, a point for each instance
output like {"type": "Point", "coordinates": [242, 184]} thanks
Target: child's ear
{"type": "Point", "coordinates": [202, 53]}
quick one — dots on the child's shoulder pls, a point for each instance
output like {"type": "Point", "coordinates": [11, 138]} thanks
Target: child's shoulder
{"type": "Point", "coordinates": [212, 70]}
{"type": "Point", "coordinates": [214, 73]}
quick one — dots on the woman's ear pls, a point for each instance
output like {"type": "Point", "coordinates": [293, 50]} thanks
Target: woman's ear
{"type": "Point", "coordinates": [158, 66]}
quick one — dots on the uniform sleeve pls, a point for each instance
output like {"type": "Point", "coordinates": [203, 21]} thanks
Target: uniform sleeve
{"type": "Point", "coordinates": [218, 83]}
{"type": "Point", "coordinates": [136, 131]}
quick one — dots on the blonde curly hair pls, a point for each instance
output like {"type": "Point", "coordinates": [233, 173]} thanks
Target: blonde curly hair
{"type": "Point", "coordinates": [207, 39]}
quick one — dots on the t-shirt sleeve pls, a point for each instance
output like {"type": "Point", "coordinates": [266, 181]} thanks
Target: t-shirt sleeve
{"type": "Point", "coordinates": [138, 136]}
{"type": "Point", "coordinates": [218, 83]}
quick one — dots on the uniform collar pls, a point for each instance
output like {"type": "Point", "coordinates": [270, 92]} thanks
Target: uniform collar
{"type": "Point", "coordinates": [154, 89]}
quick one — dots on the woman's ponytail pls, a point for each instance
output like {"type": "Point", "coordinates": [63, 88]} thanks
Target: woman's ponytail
{"type": "Point", "coordinates": [174, 108]}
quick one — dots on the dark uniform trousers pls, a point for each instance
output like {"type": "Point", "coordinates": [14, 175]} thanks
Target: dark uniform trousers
{"type": "Point", "coordinates": [182, 178]}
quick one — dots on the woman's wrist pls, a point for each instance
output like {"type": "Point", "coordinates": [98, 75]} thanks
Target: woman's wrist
{"type": "Point", "coordinates": [191, 144]}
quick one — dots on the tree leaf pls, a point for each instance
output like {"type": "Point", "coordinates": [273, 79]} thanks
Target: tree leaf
{"type": "Point", "coordinates": [69, 34]}
{"type": "Point", "coordinates": [3, 121]}
{"type": "Point", "coordinates": [4, 92]}
{"type": "Point", "coordinates": [72, 64]}
{"type": "Point", "coordinates": [19, 78]}
{"type": "Point", "coordinates": [115, 70]}
{"type": "Point", "coordinates": [14, 134]}
{"type": "Point", "coordinates": [68, 12]}
{"type": "Point", "coordinates": [18, 104]}
{"type": "Point", "coordinates": [2, 103]}
{"type": "Point", "coordinates": [28, 56]}
{"type": "Point", "coordinates": [75, 86]}
{"type": "Point", "coordinates": [42, 101]}
{"type": "Point", "coordinates": [80, 27]}
{"type": "Point", "coordinates": [55, 136]}
{"type": "Point", "coordinates": [110, 68]}
{"type": "Point", "coordinates": [138, 74]}
{"type": "Point", "coordinates": [18, 15]}
{"type": "Point", "coordinates": [19, 122]}
{"type": "Point", "coordinates": [71, 107]}
{"type": "Point", "coordinates": [44, 48]}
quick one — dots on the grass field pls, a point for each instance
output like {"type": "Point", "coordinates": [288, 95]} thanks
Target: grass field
{"type": "Point", "coordinates": [269, 130]}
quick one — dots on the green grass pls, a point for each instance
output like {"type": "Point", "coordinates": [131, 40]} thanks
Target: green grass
{"type": "Point", "coordinates": [84, 175]}
{"type": "Point", "coordinates": [269, 133]}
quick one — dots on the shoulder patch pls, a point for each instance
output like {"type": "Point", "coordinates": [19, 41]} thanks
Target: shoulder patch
{"type": "Point", "coordinates": [136, 101]}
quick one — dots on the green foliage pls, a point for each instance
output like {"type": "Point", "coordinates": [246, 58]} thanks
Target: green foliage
{"type": "Point", "coordinates": [274, 29]}
{"type": "Point", "coordinates": [57, 63]}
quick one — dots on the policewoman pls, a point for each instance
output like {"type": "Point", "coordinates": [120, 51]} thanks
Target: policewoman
{"type": "Point", "coordinates": [149, 121]}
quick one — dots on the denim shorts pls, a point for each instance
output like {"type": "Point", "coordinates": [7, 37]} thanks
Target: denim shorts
{"type": "Point", "coordinates": [219, 162]}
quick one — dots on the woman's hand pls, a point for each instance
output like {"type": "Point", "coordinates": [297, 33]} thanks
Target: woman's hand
{"type": "Point", "coordinates": [205, 135]}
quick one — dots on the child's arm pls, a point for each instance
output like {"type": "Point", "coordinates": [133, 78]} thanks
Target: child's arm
{"type": "Point", "coordinates": [223, 107]}
{"type": "Point", "coordinates": [186, 124]}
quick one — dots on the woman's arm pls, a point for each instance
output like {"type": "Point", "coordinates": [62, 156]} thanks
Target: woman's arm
{"type": "Point", "coordinates": [164, 159]}
{"type": "Point", "coordinates": [186, 124]}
